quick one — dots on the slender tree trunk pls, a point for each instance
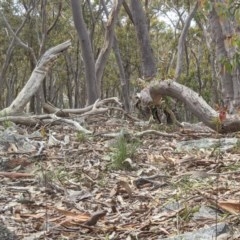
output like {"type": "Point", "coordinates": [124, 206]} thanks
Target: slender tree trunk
{"type": "Point", "coordinates": [70, 75]}
{"type": "Point", "coordinates": [41, 93]}
{"type": "Point", "coordinates": [108, 41]}
{"type": "Point", "coordinates": [215, 83]}
{"type": "Point", "coordinates": [15, 40]}
{"type": "Point", "coordinates": [181, 41]}
{"type": "Point", "coordinates": [140, 22]}
{"type": "Point", "coordinates": [87, 52]}
{"type": "Point", "coordinates": [79, 99]}
{"type": "Point", "coordinates": [123, 80]}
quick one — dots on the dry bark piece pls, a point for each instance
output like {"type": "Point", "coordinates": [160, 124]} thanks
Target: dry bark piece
{"type": "Point", "coordinates": [94, 219]}
{"type": "Point", "coordinates": [16, 175]}
{"type": "Point", "coordinates": [126, 186]}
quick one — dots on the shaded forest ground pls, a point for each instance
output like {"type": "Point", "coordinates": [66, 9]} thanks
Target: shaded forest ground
{"type": "Point", "coordinates": [75, 186]}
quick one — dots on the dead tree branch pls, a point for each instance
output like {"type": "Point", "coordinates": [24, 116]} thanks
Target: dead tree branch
{"type": "Point", "coordinates": [36, 78]}
{"type": "Point", "coordinates": [194, 102]}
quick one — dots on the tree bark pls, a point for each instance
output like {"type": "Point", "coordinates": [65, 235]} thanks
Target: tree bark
{"type": "Point", "coordinates": [36, 78]}
{"type": "Point", "coordinates": [181, 41]}
{"type": "Point", "coordinates": [223, 32]}
{"type": "Point", "coordinates": [107, 45]}
{"type": "Point", "coordinates": [87, 52]}
{"type": "Point", "coordinates": [123, 80]}
{"type": "Point", "coordinates": [222, 57]}
{"type": "Point", "coordinates": [215, 83]}
{"type": "Point", "coordinates": [141, 26]}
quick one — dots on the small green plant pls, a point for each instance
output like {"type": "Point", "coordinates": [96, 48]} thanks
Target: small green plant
{"type": "Point", "coordinates": [102, 180]}
{"type": "Point", "coordinates": [236, 148]}
{"type": "Point", "coordinates": [62, 174]}
{"type": "Point", "coordinates": [188, 211]}
{"type": "Point", "coordinates": [121, 151]}
{"type": "Point", "coordinates": [81, 137]}
{"type": "Point", "coordinates": [169, 128]}
{"type": "Point", "coordinates": [50, 177]}
{"type": "Point", "coordinates": [7, 124]}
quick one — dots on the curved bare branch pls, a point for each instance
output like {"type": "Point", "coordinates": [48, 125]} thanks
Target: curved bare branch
{"type": "Point", "coordinates": [36, 78]}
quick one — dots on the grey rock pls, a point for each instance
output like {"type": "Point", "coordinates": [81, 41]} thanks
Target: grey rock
{"type": "Point", "coordinates": [5, 234]}
{"type": "Point", "coordinates": [205, 213]}
{"type": "Point", "coordinates": [172, 206]}
{"type": "Point", "coordinates": [22, 142]}
{"type": "Point", "coordinates": [223, 144]}
{"type": "Point", "coordinates": [206, 233]}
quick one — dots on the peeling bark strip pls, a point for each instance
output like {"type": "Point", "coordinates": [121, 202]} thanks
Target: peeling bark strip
{"type": "Point", "coordinates": [195, 103]}
{"type": "Point", "coordinates": [36, 78]}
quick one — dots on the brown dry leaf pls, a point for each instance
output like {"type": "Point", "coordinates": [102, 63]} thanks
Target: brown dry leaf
{"type": "Point", "coordinates": [16, 175]}
{"type": "Point", "coordinates": [155, 158]}
{"type": "Point", "coordinates": [15, 163]}
{"type": "Point", "coordinates": [95, 217]}
{"type": "Point", "coordinates": [98, 195]}
{"type": "Point", "coordinates": [84, 216]}
{"type": "Point", "coordinates": [33, 236]}
{"type": "Point", "coordinates": [126, 186]}
{"type": "Point", "coordinates": [231, 206]}
{"type": "Point", "coordinates": [37, 216]}
{"type": "Point", "coordinates": [71, 218]}
{"type": "Point", "coordinates": [113, 192]}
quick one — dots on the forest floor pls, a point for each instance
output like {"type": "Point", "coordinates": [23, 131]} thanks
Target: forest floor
{"type": "Point", "coordinates": [103, 186]}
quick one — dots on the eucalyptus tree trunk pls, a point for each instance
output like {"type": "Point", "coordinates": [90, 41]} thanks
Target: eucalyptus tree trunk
{"type": "Point", "coordinates": [123, 80]}
{"type": "Point", "coordinates": [108, 42]}
{"type": "Point", "coordinates": [94, 71]}
{"type": "Point", "coordinates": [215, 84]}
{"type": "Point", "coordinates": [87, 52]}
{"type": "Point", "coordinates": [222, 33]}
{"type": "Point", "coordinates": [182, 40]}
{"type": "Point", "coordinates": [40, 96]}
{"type": "Point", "coordinates": [141, 26]}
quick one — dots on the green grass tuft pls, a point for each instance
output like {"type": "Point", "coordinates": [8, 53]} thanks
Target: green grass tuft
{"type": "Point", "coordinates": [121, 151]}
